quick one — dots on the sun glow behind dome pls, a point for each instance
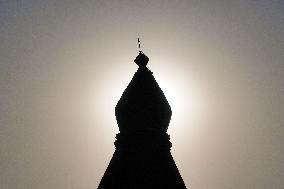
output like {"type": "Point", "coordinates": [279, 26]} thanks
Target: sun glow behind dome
{"type": "Point", "coordinates": [182, 92]}
{"type": "Point", "coordinates": [178, 99]}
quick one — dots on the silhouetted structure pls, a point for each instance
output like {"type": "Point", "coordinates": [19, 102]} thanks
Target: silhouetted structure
{"type": "Point", "coordinates": [142, 159]}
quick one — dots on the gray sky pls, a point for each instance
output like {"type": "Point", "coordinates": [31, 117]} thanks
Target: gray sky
{"type": "Point", "coordinates": [64, 65]}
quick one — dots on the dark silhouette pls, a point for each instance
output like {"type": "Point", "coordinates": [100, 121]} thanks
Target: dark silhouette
{"type": "Point", "coordinates": [142, 159]}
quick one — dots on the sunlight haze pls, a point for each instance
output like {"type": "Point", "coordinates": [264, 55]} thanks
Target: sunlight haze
{"type": "Point", "coordinates": [65, 64]}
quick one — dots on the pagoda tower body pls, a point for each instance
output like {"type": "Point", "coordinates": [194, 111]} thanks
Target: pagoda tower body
{"type": "Point", "coordinates": [142, 159]}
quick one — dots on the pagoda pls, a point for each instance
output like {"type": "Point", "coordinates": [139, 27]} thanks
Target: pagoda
{"type": "Point", "coordinates": [142, 158]}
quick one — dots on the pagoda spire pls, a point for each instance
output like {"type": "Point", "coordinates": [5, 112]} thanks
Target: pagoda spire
{"type": "Point", "coordinates": [142, 158]}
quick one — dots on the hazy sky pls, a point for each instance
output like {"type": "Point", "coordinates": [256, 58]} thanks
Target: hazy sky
{"type": "Point", "coordinates": [64, 65]}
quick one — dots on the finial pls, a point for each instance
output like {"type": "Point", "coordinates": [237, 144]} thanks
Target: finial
{"type": "Point", "coordinates": [139, 45]}
{"type": "Point", "coordinates": [141, 60]}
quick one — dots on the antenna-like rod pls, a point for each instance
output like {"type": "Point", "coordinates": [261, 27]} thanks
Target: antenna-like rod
{"type": "Point", "coordinates": [139, 45]}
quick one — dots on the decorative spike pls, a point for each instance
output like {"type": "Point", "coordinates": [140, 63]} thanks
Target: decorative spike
{"type": "Point", "coordinates": [139, 45]}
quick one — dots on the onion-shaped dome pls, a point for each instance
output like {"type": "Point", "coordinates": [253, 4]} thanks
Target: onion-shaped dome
{"type": "Point", "coordinates": [143, 105]}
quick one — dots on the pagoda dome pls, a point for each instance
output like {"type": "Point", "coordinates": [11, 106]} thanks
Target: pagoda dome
{"type": "Point", "coordinates": [143, 105]}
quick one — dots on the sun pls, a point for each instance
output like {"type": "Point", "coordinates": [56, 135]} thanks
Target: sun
{"type": "Point", "coordinates": [184, 97]}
